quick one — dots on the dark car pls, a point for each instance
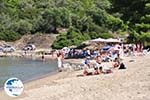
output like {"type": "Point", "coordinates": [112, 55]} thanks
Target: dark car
{"type": "Point", "coordinates": [29, 47]}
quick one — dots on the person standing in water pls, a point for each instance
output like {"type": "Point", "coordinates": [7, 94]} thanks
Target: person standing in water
{"type": "Point", "coordinates": [59, 62]}
{"type": "Point", "coordinates": [43, 56]}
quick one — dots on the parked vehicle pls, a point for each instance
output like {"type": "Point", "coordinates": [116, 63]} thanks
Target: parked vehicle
{"type": "Point", "coordinates": [29, 47]}
{"type": "Point", "coordinates": [8, 48]}
{"type": "Point", "coordinates": [1, 49]}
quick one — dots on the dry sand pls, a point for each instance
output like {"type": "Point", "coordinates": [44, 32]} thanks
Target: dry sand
{"type": "Point", "coordinates": [130, 84]}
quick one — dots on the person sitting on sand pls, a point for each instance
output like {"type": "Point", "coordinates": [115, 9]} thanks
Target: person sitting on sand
{"type": "Point", "coordinates": [98, 67]}
{"type": "Point", "coordinates": [87, 62]}
{"type": "Point", "coordinates": [87, 66]}
{"type": "Point", "coordinates": [106, 69]}
{"type": "Point", "coordinates": [96, 70]}
{"type": "Point", "coordinates": [116, 63]}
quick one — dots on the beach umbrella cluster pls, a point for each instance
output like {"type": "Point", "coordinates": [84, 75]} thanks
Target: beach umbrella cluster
{"type": "Point", "coordinates": [110, 40]}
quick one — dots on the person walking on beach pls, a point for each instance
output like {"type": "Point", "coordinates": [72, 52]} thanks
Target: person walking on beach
{"type": "Point", "coordinates": [59, 62]}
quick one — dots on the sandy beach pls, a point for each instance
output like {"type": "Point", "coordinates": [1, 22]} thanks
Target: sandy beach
{"type": "Point", "coordinates": [132, 83]}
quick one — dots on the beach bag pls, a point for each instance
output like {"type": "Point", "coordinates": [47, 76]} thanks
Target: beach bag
{"type": "Point", "coordinates": [122, 66]}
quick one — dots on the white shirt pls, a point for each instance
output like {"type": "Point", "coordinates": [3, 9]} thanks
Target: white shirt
{"type": "Point", "coordinates": [59, 62]}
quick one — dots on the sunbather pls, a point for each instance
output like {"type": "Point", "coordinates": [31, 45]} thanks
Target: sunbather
{"type": "Point", "coordinates": [106, 69]}
{"type": "Point", "coordinates": [87, 62]}
{"type": "Point", "coordinates": [98, 65]}
{"type": "Point", "coordinates": [86, 65]}
{"type": "Point", "coordinates": [116, 63]}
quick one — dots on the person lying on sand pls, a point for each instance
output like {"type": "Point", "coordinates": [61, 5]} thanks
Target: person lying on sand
{"type": "Point", "coordinates": [106, 69]}
{"type": "Point", "coordinates": [97, 71]}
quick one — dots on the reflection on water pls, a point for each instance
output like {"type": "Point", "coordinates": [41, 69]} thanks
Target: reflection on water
{"type": "Point", "coordinates": [24, 69]}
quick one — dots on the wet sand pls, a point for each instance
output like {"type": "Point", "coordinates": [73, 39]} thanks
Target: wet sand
{"type": "Point", "coordinates": [132, 83]}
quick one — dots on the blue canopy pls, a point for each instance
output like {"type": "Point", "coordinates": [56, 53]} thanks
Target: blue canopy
{"type": "Point", "coordinates": [106, 48]}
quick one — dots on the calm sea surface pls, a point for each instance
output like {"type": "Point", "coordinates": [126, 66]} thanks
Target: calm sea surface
{"type": "Point", "coordinates": [24, 69]}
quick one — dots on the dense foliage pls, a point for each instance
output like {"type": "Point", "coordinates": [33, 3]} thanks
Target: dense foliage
{"type": "Point", "coordinates": [136, 14]}
{"type": "Point", "coordinates": [84, 19]}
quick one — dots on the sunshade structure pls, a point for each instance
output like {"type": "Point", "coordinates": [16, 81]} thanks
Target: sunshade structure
{"type": "Point", "coordinates": [100, 43]}
{"type": "Point", "coordinates": [110, 40]}
{"type": "Point", "coordinates": [105, 48]}
{"type": "Point", "coordinates": [98, 40]}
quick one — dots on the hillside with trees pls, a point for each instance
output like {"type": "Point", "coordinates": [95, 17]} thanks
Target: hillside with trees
{"type": "Point", "coordinates": [83, 19]}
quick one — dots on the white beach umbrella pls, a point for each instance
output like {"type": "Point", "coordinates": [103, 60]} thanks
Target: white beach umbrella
{"type": "Point", "coordinates": [98, 40]}
{"type": "Point", "coordinates": [111, 40]}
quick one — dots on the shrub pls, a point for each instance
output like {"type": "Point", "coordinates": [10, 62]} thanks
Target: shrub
{"type": "Point", "coordinates": [9, 36]}
{"type": "Point", "coordinates": [72, 37]}
{"type": "Point", "coordinates": [106, 35]}
{"type": "Point", "coordinates": [94, 35]}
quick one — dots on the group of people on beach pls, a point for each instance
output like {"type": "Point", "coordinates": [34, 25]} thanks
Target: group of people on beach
{"type": "Point", "coordinates": [98, 59]}
{"type": "Point", "coordinates": [133, 49]}
{"type": "Point", "coordinates": [113, 56]}
{"type": "Point", "coordinates": [97, 55]}
{"type": "Point", "coordinates": [100, 62]}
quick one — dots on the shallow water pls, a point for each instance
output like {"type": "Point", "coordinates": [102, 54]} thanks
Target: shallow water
{"type": "Point", "coordinates": [24, 69]}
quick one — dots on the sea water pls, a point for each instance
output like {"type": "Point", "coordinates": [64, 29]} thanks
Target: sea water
{"type": "Point", "coordinates": [24, 69]}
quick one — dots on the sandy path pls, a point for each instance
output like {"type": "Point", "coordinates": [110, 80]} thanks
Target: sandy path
{"type": "Point", "coordinates": [130, 84]}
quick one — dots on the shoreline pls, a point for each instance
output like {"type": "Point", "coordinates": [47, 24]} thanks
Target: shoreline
{"type": "Point", "coordinates": [66, 61]}
{"type": "Point", "coordinates": [36, 78]}
{"type": "Point", "coordinates": [35, 83]}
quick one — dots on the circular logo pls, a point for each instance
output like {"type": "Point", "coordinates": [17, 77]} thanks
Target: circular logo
{"type": "Point", "coordinates": [13, 87]}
